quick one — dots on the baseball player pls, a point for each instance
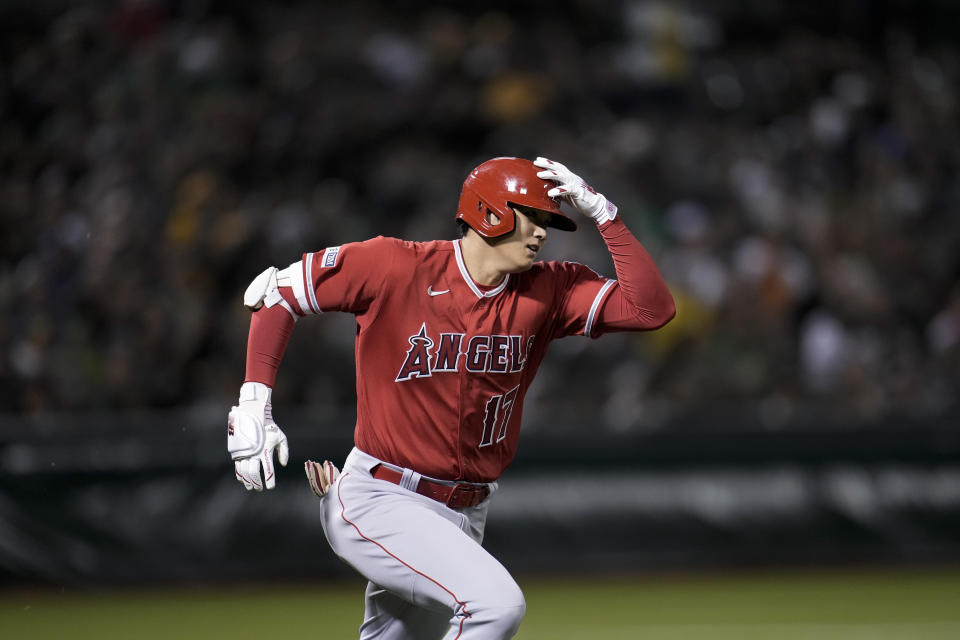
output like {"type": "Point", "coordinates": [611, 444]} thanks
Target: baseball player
{"type": "Point", "coordinates": [449, 337]}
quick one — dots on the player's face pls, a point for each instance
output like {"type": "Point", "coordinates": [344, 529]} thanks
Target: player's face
{"type": "Point", "coordinates": [520, 248]}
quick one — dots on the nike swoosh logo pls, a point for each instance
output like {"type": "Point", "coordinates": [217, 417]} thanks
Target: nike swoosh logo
{"type": "Point", "coordinates": [431, 292]}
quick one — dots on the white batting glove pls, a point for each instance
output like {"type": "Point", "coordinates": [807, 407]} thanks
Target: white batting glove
{"type": "Point", "coordinates": [252, 436]}
{"type": "Point", "coordinates": [574, 190]}
{"type": "Point", "coordinates": [321, 475]}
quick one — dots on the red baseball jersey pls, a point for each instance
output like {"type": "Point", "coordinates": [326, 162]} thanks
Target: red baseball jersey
{"type": "Point", "coordinates": [443, 364]}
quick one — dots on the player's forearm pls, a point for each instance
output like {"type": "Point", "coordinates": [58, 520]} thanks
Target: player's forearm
{"type": "Point", "coordinates": [270, 331]}
{"type": "Point", "coordinates": [643, 291]}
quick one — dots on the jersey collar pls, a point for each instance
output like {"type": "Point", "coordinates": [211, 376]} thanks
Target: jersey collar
{"type": "Point", "coordinates": [469, 280]}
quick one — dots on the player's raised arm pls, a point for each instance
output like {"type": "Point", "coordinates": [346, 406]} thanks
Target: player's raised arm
{"type": "Point", "coordinates": [641, 300]}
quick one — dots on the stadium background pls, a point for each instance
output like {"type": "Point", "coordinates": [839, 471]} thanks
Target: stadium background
{"type": "Point", "coordinates": [793, 167]}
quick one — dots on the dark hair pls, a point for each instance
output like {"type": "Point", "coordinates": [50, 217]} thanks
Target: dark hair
{"type": "Point", "coordinates": [462, 228]}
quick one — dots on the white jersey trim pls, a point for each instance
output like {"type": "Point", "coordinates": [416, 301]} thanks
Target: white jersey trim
{"type": "Point", "coordinates": [469, 280]}
{"type": "Point", "coordinates": [308, 284]}
{"type": "Point", "coordinates": [292, 277]}
{"type": "Point", "coordinates": [597, 301]}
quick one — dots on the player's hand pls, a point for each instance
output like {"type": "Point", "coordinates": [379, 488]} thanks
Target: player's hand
{"type": "Point", "coordinates": [574, 190]}
{"type": "Point", "coordinates": [321, 475]}
{"type": "Point", "coordinates": [252, 436]}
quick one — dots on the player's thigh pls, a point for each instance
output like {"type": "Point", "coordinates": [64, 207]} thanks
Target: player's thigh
{"type": "Point", "coordinates": [413, 547]}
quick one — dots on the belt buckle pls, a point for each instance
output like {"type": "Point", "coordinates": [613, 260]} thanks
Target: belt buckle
{"type": "Point", "coordinates": [466, 490]}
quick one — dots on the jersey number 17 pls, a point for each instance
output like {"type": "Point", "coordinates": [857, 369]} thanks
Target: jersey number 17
{"type": "Point", "coordinates": [497, 416]}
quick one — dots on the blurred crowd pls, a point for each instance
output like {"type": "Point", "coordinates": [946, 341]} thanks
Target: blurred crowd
{"type": "Point", "coordinates": [799, 187]}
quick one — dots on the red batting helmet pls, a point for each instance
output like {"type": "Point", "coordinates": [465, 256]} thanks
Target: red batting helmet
{"type": "Point", "coordinates": [500, 184]}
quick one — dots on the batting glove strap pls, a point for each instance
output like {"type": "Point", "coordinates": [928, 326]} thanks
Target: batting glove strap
{"type": "Point", "coordinates": [255, 392]}
{"type": "Point", "coordinates": [576, 191]}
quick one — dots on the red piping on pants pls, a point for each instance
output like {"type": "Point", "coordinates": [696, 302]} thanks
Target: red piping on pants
{"type": "Point", "coordinates": [463, 605]}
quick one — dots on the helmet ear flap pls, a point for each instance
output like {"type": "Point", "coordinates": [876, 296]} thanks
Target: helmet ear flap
{"type": "Point", "coordinates": [486, 214]}
{"type": "Point", "coordinates": [484, 218]}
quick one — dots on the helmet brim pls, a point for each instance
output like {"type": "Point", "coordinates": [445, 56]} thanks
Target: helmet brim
{"type": "Point", "coordinates": [562, 222]}
{"type": "Point", "coordinates": [557, 219]}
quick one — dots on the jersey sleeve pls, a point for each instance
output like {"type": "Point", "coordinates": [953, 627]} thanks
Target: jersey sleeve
{"type": "Point", "coordinates": [267, 340]}
{"type": "Point", "coordinates": [581, 292]}
{"type": "Point", "coordinates": [641, 299]}
{"type": "Point", "coordinates": [638, 300]}
{"type": "Point", "coordinates": [343, 278]}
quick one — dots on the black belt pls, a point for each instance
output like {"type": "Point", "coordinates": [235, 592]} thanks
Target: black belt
{"type": "Point", "coordinates": [458, 495]}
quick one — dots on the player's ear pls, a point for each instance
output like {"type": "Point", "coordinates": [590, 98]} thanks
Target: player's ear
{"type": "Point", "coordinates": [492, 218]}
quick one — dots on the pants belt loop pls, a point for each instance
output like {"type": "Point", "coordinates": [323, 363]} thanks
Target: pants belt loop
{"type": "Point", "coordinates": [410, 480]}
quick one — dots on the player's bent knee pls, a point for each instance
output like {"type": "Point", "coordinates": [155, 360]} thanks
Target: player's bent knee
{"type": "Point", "coordinates": [501, 614]}
{"type": "Point", "coordinates": [511, 616]}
